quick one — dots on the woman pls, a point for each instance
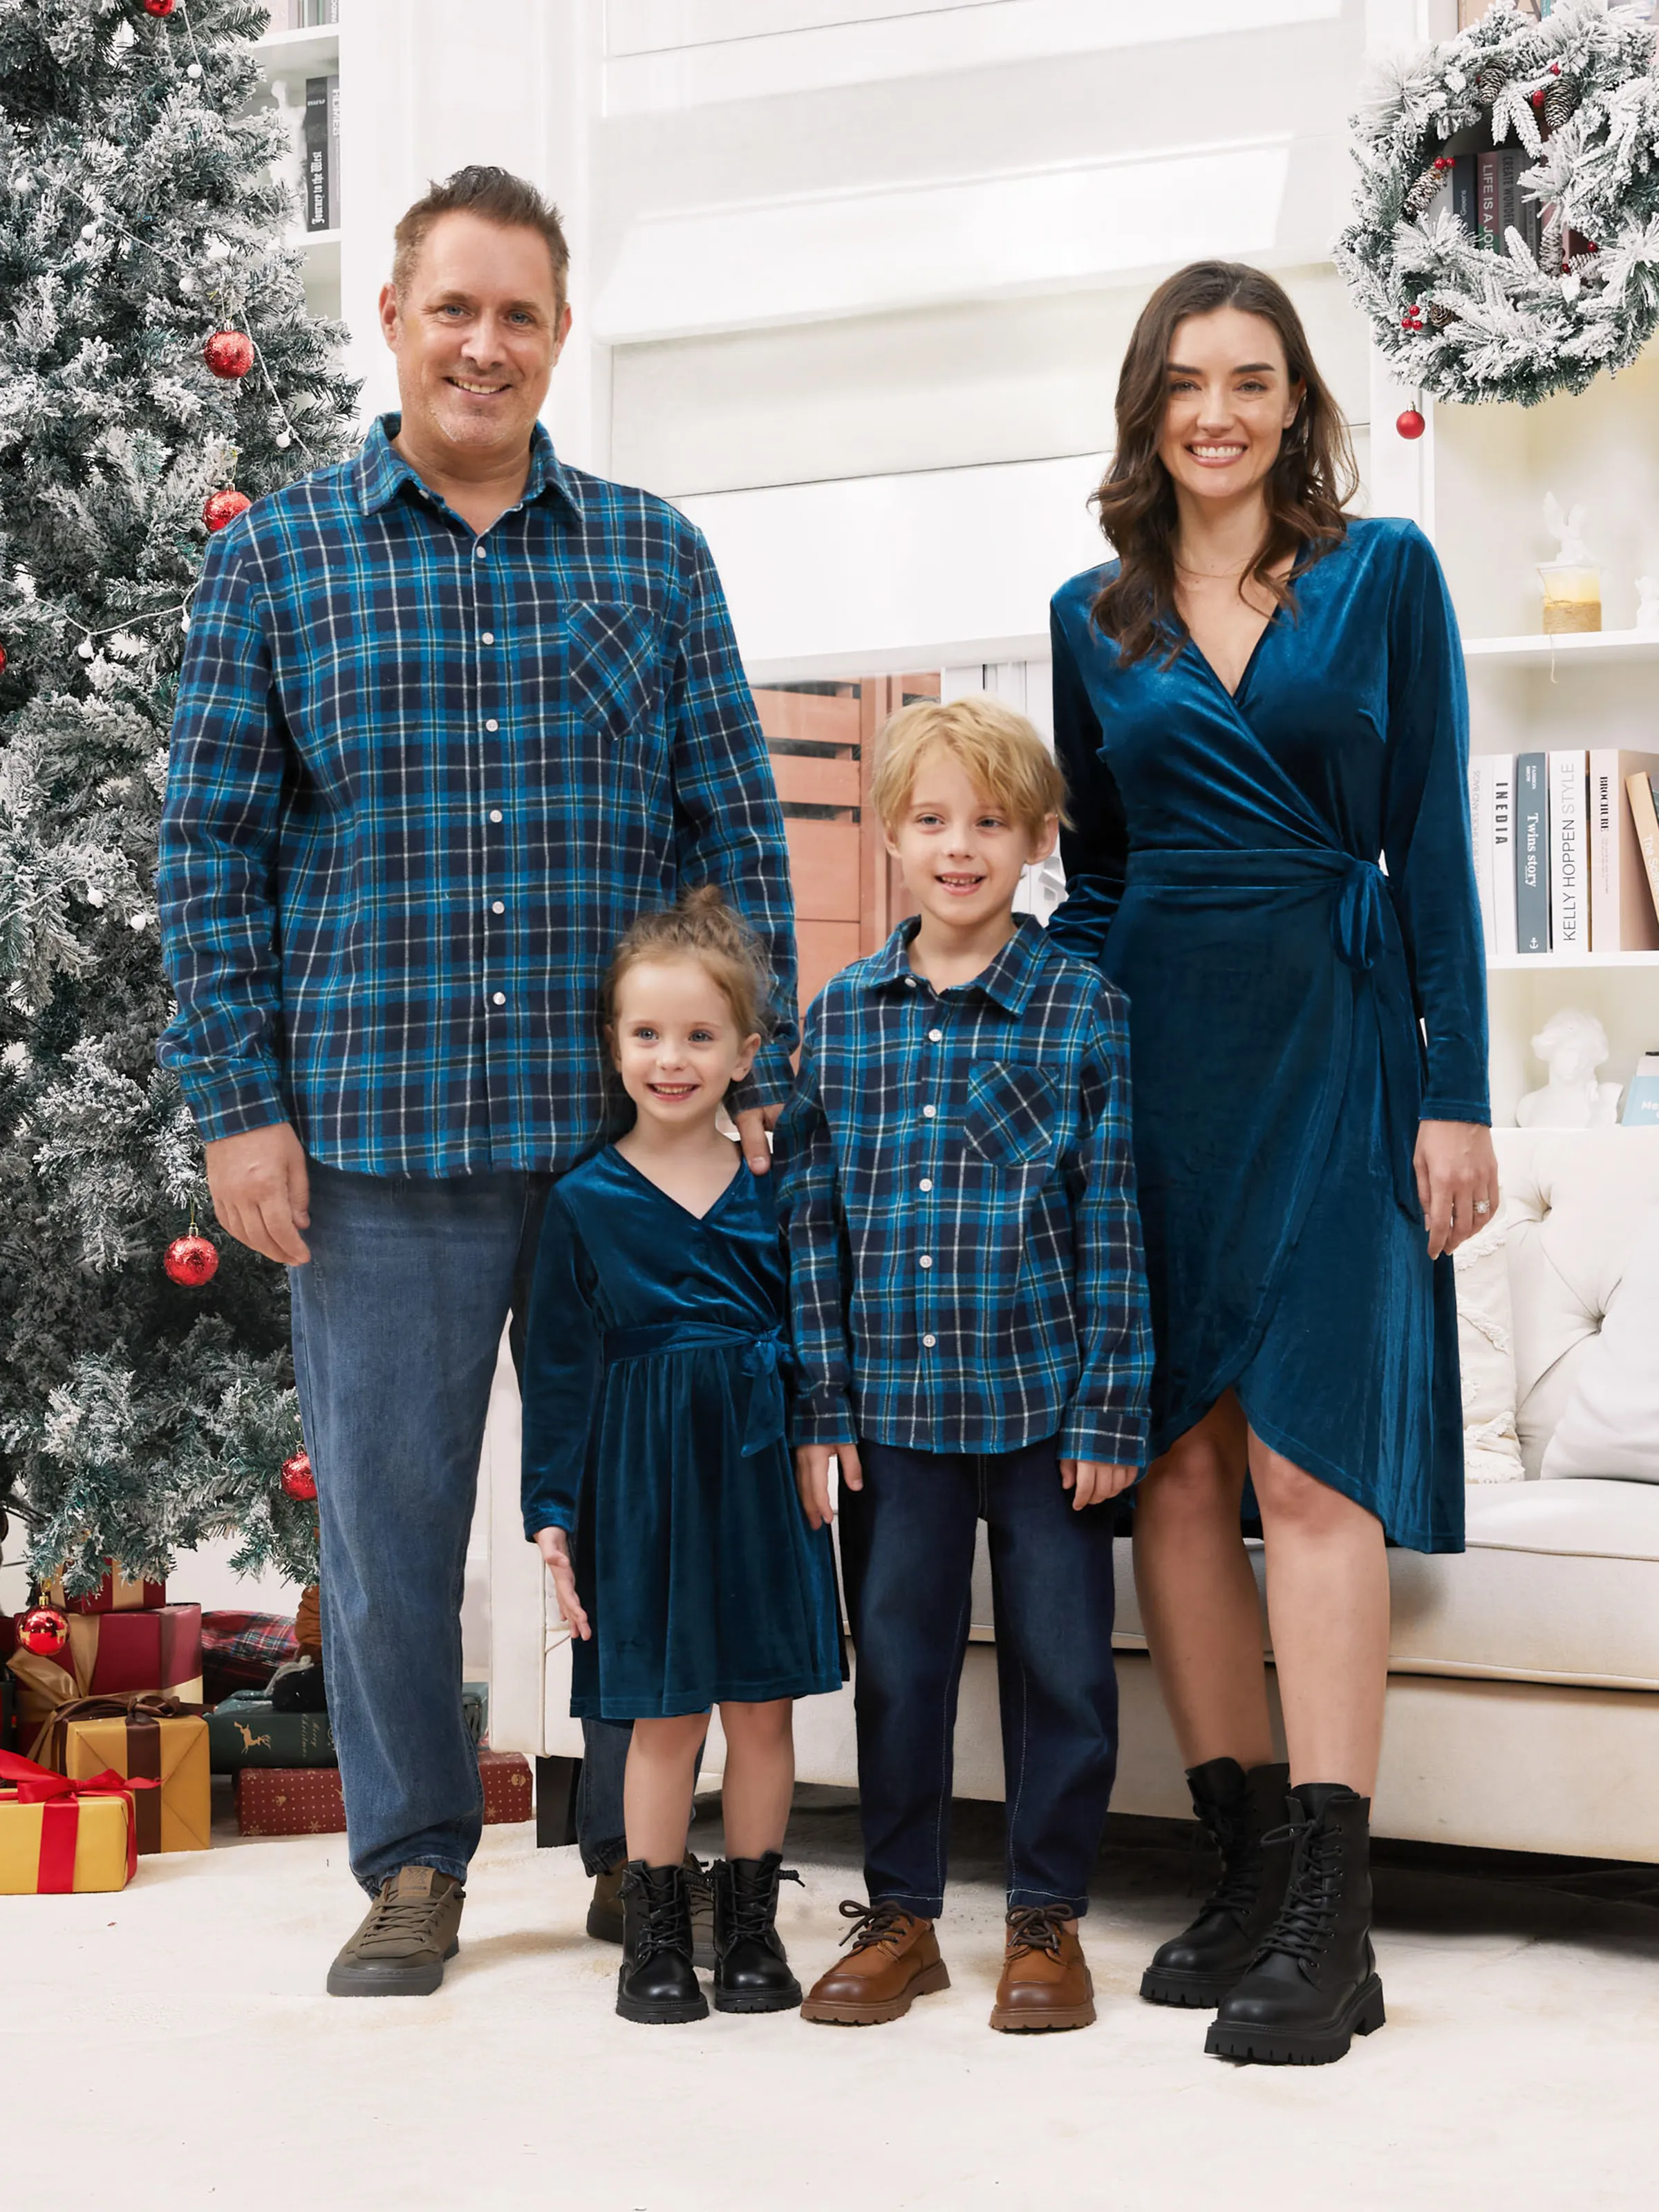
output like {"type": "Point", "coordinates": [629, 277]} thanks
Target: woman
{"type": "Point", "coordinates": [1256, 704]}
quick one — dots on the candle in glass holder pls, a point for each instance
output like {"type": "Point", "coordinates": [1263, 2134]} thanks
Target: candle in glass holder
{"type": "Point", "coordinates": [1572, 595]}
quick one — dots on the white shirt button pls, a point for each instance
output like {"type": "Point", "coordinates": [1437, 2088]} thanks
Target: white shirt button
{"type": "Point", "coordinates": [925, 1261]}
{"type": "Point", "coordinates": [930, 1341]}
{"type": "Point", "coordinates": [499, 998]}
{"type": "Point", "coordinates": [492, 724]}
{"type": "Point", "coordinates": [935, 1036]}
{"type": "Point", "coordinates": [480, 552]}
{"type": "Point", "coordinates": [496, 906]}
{"type": "Point", "coordinates": [928, 1112]}
{"type": "Point", "coordinates": [489, 637]}
{"type": "Point", "coordinates": [909, 982]}
{"type": "Point", "coordinates": [494, 813]}
{"type": "Point", "coordinates": [928, 1183]}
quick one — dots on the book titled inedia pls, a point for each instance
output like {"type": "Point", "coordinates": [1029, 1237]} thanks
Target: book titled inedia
{"type": "Point", "coordinates": [1531, 862]}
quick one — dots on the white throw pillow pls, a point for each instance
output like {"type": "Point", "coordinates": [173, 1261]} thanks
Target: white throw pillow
{"type": "Point", "coordinates": [1611, 1426]}
{"type": "Point", "coordinates": [1486, 1356]}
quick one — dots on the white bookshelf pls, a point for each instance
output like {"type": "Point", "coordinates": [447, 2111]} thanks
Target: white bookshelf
{"type": "Point", "coordinates": [1606, 648]}
{"type": "Point", "coordinates": [287, 59]}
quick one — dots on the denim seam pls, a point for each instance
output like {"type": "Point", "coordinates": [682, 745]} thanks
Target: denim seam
{"type": "Point", "coordinates": [942, 1814]}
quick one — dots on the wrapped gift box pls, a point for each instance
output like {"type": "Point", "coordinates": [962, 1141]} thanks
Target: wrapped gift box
{"type": "Point", "coordinates": [246, 1730]}
{"type": "Point", "coordinates": [115, 1593]}
{"type": "Point", "coordinates": [140, 1738]}
{"type": "Point", "coordinates": [57, 1835]}
{"type": "Point", "coordinates": [307, 1800]}
{"type": "Point", "coordinates": [111, 1653]}
{"type": "Point", "coordinates": [242, 1651]}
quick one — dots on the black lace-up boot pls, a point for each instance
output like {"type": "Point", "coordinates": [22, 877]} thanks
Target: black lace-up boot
{"type": "Point", "coordinates": [752, 1971]}
{"type": "Point", "coordinates": [657, 1981]}
{"type": "Point", "coordinates": [1201, 1965]}
{"type": "Point", "coordinates": [1314, 1985]}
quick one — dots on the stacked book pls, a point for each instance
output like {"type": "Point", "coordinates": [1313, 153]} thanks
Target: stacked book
{"type": "Point", "coordinates": [319, 179]}
{"type": "Point", "coordinates": [1566, 851]}
{"type": "Point", "coordinates": [303, 15]}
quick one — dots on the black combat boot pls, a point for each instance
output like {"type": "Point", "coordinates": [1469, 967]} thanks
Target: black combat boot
{"type": "Point", "coordinates": [1314, 1985]}
{"type": "Point", "coordinates": [1201, 1965]}
{"type": "Point", "coordinates": [752, 1972]}
{"type": "Point", "coordinates": [657, 1980]}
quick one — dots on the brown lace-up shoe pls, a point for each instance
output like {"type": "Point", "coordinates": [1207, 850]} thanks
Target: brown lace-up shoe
{"type": "Point", "coordinates": [894, 1958]}
{"type": "Point", "coordinates": [1046, 1983]}
{"type": "Point", "coordinates": [399, 1950]}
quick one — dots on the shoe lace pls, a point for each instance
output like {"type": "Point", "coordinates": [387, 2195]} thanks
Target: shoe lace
{"type": "Point", "coordinates": [752, 1909]}
{"type": "Point", "coordinates": [1313, 1895]}
{"type": "Point", "coordinates": [880, 1923]}
{"type": "Point", "coordinates": [394, 1917]}
{"type": "Point", "coordinates": [1036, 1928]}
{"type": "Point", "coordinates": [666, 1922]}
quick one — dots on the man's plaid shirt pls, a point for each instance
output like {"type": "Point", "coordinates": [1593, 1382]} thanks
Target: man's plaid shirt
{"type": "Point", "coordinates": [420, 784]}
{"type": "Point", "coordinates": [957, 1179]}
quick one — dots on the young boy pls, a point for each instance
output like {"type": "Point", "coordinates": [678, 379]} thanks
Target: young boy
{"type": "Point", "coordinates": [970, 1332]}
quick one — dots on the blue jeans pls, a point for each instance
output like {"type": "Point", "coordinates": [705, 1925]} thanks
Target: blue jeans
{"type": "Point", "coordinates": [907, 1550]}
{"type": "Point", "coordinates": [398, 1322]}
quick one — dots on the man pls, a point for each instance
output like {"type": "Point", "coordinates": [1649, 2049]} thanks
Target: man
{"type": "Point", "coordinates": [451, 715]}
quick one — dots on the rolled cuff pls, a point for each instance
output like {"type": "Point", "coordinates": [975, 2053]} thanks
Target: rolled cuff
{"type": "Point", "coordinates": [768, 1083]}
{"type": "Point", "coordinates": [228, 1105]}
{"type": "Point", "coordinates": [538, 1518]}
{"type": "Point", "coordinates": [1105, 1438]}
{"type": "Point", "coordinates": [829, 1422]}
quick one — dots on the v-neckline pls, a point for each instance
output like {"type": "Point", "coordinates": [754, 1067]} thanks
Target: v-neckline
{"type": "Point", "coordinates": [715, 1204]}
{"type": "Point", "coordinates": [1245, 672]}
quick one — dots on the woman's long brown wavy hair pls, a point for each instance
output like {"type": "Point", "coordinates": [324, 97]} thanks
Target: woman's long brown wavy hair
{"type": "Point", "coordinates": [1307, 488]}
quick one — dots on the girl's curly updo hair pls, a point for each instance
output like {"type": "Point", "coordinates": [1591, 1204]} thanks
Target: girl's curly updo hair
{"type": "Point", "coordinates": [703, 928]}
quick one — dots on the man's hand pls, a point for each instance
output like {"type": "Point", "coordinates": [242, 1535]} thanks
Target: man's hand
{"type": "Point", "coordinates": [1456, 1170]}
{"type": "Point", "coordinates": [753, 1123]}
{"type": "Point", "coordinates": [1092, 1481]}
{"type": "Point", "coordinates": [261, 1192]}
{"type": "Point", "coordinates": [555, 1547]}
{"type": "Point", "coordinates": [812, 1478]}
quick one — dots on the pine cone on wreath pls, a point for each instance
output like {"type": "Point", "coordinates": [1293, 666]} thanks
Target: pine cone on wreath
{"type": "Point", "coordinates": [1439, 316]}
{"type": "Point", "coordinates": [1560, 101]}
{"type": "Point", "coordinates": [1489, 82]}
{"type": "Point", "coordinates": [1423, 192]}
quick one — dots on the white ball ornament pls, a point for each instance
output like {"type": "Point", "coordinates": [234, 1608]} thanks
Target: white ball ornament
{"type": "Point", "coordinates": [85, 648]}
{"type": "Point", "coordinates": [187, 283]}
{"type": "Point", "coordinates": [284, 439]}
{"type": "Point", "coordinates": [193, 70]}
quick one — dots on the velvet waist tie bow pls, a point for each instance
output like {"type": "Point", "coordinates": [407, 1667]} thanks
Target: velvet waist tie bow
{"type": "Point", "coordinates": [1365, 934]}
{"type": "Point", "coordinates": [765, 1362]}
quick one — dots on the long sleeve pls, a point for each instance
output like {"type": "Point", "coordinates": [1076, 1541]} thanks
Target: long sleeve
{"type": "Point", "coordinates": [728, 826]}
{"type": "Point", "coordinates": [1426, 837]}
{"type": "Point", "coordinates": [1109, 1412]}
{"type": "Point", "coordinates": [819, 1287]}
{"type": "Point", "coordinates": [1095, 850]}
{"type": "Point", "coordinates": [218, 859]}
{"type": "Point", "coordinates": [563, 1369]}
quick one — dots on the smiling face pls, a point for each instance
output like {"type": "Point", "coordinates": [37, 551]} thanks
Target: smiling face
{"type": "Point", "coordinates": [961, 852]}
{"type": "Point", "coordinates": [1229, 402]}
{"type": "Point", "coordinates": [477, 330]}
{"type": "Point", "coordinates": [676, 1042]}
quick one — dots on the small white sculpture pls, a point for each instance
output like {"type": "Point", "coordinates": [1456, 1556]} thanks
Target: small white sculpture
{"type": "Point", "coordinates": [1647, 611]}
{"type": "Point", "coordinates": [1572, 1045]}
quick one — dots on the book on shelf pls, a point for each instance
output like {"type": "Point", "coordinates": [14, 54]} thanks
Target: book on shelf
{"type": "Point", "coordinates": [1484, 842]}
{"type": "Point", "coordinates": [1641, 788]}
{"type": "Point", "coordinates": [1642, 1098]}
{"type": "Point", "coordinates": [320, 176]}
{"type": "Point", "coordinates": [1623, 917]}
{"type": "Point", "coordinates": [304, 15]}
{"type": "Point", "coordinates": [1502, 852]}
{"type": "Point", "coordinates": [1532, 855]}
{"type": "Point", "coordinates": [1569, 906]}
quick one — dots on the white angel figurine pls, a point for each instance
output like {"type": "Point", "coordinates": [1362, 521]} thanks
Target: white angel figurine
{"type": "Point", "coordinates": [1647, 608]}
{"type": "Point", "coordinates": [1572, 1045]}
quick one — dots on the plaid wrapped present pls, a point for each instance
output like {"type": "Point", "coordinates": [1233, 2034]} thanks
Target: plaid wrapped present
{"type": "Point", "coordinates": [242, 1651]}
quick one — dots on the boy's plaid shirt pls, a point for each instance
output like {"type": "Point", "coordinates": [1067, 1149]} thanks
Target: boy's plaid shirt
{"type": "Point", "coordinates": [420, 784]}
{"type": "Point", "coordinates": [958, 1187]}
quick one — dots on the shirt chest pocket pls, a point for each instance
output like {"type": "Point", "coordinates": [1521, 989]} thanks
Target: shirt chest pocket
{"type": "Point", "coordinates": [613, 672]}
{"type": "Point", "coordinates": [1009, 1118]}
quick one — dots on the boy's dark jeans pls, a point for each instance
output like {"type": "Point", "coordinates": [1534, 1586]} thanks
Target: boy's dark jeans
{"type": "Point", "coordinates": [907, 1549]}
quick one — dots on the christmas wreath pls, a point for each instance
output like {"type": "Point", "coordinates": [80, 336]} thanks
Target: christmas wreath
{"type": "Point", "coordinates": [1505, 241]}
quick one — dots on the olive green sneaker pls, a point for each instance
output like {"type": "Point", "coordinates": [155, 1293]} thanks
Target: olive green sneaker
{"type": "Point", "coordinates": [604, 1911]}
{"type": "Point", "coordinates": [399, 1950]}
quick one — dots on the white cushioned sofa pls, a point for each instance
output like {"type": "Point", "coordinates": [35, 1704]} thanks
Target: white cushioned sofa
{"type": "Point", "coordinates": [1523, 1696]}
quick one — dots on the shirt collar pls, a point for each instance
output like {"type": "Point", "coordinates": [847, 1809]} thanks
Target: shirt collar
{"type": "Point", "coordinates": [1007, 982]}
{"type": "Point", "coordinates": [382, 472]}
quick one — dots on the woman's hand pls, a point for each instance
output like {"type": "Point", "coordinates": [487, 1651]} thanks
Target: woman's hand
{"type": "Point", "coordinates": [1456, 1173]}
{"type": "Point", "coordinates": [555, 1547]}
{"type": "Point", "coordinates": [813, 1478]}
{"type": "Point", "coordinates": [1095, 1480]}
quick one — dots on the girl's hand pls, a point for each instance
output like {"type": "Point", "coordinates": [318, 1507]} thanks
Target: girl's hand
{"type": "Point", "coordinates": [813, 1478]}
{"type": "Point", "coordinates": [555, 1547]}
{"type": "Point", "coordinates": [1456, 1171]}
{"type": "Point", "coordinates": [1095, 1480]}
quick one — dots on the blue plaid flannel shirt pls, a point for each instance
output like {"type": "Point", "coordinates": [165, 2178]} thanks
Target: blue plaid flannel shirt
{"type": "Point", "coordinates": [958, 1187]}
{"type": "Point", "coordinates": [420, 783]}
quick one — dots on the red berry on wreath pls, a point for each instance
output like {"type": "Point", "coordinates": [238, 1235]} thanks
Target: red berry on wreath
{"type": "Point", "coordinates": [224, 507]}
{"type": "Point", "coordinates": [297, 1480]}
{"type": "Point", "coordinates": [43, 1630]}
{"type": "Point", "coordinates": [228, 354]}
{"type": "Point", "coordinates": [1411, 424]}
{"type": "Point", "coordinates": [192, 1261]}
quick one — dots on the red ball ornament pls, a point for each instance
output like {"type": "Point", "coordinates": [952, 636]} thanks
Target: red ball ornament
{"type": "Point", "coordinates": [192, 1261]}
{"type": "Point", "coordinates": [297, 1480]}
{"type": "Point", "coordinates": [224, 506]}
{"type": "Point", "coordinates": [1411, 424]}
{"type": "Point", "coordinates": [2, 659]}
{"type": "Point", "coordinates": [43, 1631]}
{"type": "Point", "coordinates": [228, 354]}
{"type": "Point", "coordinates": [159, 7]}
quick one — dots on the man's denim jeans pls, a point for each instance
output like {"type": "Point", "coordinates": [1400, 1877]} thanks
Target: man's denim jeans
{"type": "Point", "coordinates": [907, 1550]}
{"type": "Point", "coordinates": [398, 1322]}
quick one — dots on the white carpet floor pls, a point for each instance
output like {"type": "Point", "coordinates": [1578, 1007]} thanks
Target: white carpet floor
{"type": "Point", "coordinates": [173, 2047]}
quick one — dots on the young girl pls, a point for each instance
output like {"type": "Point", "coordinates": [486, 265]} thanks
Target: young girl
{"type": "Point", "coordinates": [657, 1483]}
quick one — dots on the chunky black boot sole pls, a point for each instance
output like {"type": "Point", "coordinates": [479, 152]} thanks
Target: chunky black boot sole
{"type": "Point", "coordinates": [786, 2000]}
{"type": "Point", "coordinates": [664, 2012]}
{"type": "Point", "coordinates": [1268, 2046]}
{"type": "Point", "coordinates": [1199, 1992]}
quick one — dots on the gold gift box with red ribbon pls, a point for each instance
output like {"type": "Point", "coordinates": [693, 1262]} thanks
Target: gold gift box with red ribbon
{"type": "Point", "coordinates": [57, 1835]}
{"type": "Point", "coordinates": [139, 1738]}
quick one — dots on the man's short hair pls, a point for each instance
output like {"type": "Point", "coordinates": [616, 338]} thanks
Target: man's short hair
{"type": "Point", "coordinates": [1001, 754]}
{"type": "Point", "coordinates": [496, 195]}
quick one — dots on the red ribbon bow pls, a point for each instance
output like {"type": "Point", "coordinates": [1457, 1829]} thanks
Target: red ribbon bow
{"type": "Point", "coordinates": [60, 1823]}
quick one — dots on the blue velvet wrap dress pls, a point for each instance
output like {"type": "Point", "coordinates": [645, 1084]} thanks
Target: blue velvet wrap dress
{"type": "Point", "coordinates": [655, 1429]}
{"type": "Point", "coordinates": [1281, 880]}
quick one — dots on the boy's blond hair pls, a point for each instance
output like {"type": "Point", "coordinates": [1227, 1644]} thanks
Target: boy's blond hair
{"type": "Point", "coordinates": [998, 750]}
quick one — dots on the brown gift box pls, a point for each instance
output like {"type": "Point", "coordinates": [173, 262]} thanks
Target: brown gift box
{"type": "Point", "coordinates": [138, 1738]}
{"type": "Point", "coordinates": [307, 1800]}
{"type": "Point", "coordinates": [115, 1593]}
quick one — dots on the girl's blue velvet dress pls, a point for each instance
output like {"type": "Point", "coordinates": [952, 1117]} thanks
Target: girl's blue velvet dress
{"type": "Point", "coordinates": [655, 1431]}
{"type": "Point", "coordinates": [1225, 870]}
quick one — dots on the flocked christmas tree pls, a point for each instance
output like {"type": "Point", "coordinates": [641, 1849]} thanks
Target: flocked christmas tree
{"type": "Point", "coordinates": [155, 356]}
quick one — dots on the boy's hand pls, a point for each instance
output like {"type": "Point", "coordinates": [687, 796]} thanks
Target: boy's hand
{"type": "Point", "coordinates": [555, 1547]}
{"type": "Point", "coordinates": [1095, 1480]}
{"type": "Point", "coordinates": [812, 1478]}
